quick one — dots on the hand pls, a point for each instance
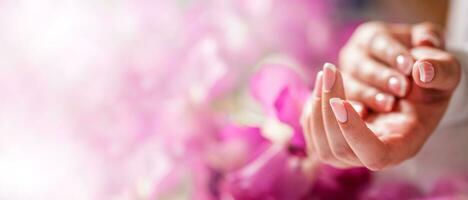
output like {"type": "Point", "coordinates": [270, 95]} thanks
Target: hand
{"type": "Point", "coordinates": [375, 63]}
{"type": "Point", "coordinates": [336, 133]}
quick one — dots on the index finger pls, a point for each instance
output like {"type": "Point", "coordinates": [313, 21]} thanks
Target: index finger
{"type": "Point", "coordinates": [370, 150]}
{"type": "Point", "coordinates": [378, 40]}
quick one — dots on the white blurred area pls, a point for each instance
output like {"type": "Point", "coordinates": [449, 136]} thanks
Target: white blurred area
{"type": "Point", "coordinates": [66, 101]}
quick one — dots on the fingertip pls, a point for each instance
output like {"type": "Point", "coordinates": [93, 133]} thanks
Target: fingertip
{"type": "Point", "coordinates": [329, 76]}
{"type": "Point", "coordinates": [424, 73]}
{"type": "Point", "coordinates": [385, 101]}
{"type": "Point", "coordinates": [404, 63]}
{"type": "Point", "coordinates": [339, 110]}
{"type": "Point", "coordinates": [359, 107]}
{"type": "Point", "coordinates": [398, 85]}
{"type": "Point", "coordinates": [318, 84]}
{"type": "Point", "coordinates": [349, 108]}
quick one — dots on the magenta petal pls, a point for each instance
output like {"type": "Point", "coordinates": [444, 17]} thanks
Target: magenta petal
{"type": "Point", "coordinates": [393, 191]}
{"type": "Point", "coordinates": [288, 110]}
{"type": "Point", "coordinates": [293, 183]}
{"type": "Point", "coordinates": [332, 183]}
{"type": "Point", "coordinates": [450, 186]}
{"type": "Point", "coordinates": [282, 93]}
{"type": "Point", "coordinates": [288, 107]}
{"type": "Point", "coordinates": [268, 83]}
{"type": "Point", "coordinates": [256, 180]}
{"type": "Point", "coordinates": [251, 135]}
{"type": "Point", "coordinates": [270, 176]}
{"type": "Point", "coordinates": [249, 139]}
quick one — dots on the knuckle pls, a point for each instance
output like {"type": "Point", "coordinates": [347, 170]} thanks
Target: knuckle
{"type": "Point", "coordinates": [345, 56]}
{"type": "Point", "coordinates": [350, 58]}
{"type": "Point", "coordinates": [366, 29]}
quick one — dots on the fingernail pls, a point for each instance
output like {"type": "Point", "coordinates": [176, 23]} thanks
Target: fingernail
{"type": "Point", "coordinates": [432, 39]}
{"type": "Point", "coordinates": [318, 84]}
{"type": "Point", "coordinates": [385, 101]}
{"type": "Point", "coordinates": [404, 63]}
{"type": "Point", "coordinates": [426, 71]}
{"type": "Point", "coordinates": [397, 86]}
{"type": "Point", "coordinates": [339, 110]}
{"type": "Point", "coordinates": [329, 73]}
{"type": "Point", "coordinates": [359, 108]}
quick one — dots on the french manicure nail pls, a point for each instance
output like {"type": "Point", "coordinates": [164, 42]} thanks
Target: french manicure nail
{"type": "Point", "coordinates": [385, 101]}
{"type": "Point", "coordinates": [426, 71]}
{"type": "Point", "coordinates": [329, 76]}
{"type": "Point", "coordinates": [397, 86]}
{"type": "Point", "coordinates": [318, 84]}
{"type": "Point", "coordinates": [404, 63]}
{"type": "Point", "coordinates": [339, 110]}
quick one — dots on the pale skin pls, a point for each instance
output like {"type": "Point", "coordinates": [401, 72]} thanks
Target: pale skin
{"type": "Point", "coordinates": [402, 74]}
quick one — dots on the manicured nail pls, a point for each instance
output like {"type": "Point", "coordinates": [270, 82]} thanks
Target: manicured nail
{"type": "Point", "coordinates": [329, 76]}
{"type": "Point", "coordinates": [404, 63]}
{"type": "Point", "coordinates": [318, 84]}
{"type": "Point", "coordinates": [426, 71]}
{"type": "Point", "coordinates": [339, 110]}
{"type": "Point", "coordinates": [385, 101]}
{"type": "Point", "coordinates": [397, 86]}
{"type": "Point", "coordinates": [432, 39]}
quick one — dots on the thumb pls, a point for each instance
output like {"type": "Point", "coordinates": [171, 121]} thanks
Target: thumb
{"type": "Point", "coordinates": [435, 69]}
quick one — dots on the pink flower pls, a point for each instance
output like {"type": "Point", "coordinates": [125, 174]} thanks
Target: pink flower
{"type": "Point", "coordinates": [273, 175]}
{"type": "Point", "coordinates": [282, 93]}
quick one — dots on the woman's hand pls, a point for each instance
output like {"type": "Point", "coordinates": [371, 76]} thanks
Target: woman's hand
{"type": "Point", "coordinates": [339, 136]}
{"type": "Point", "coordinates": [377, 58]}
{"type": "Point", "coordinates": [397, 128]}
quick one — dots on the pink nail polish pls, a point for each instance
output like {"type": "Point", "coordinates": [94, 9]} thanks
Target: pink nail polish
{"type": "Point", "coordinates": [397, 86]}
{"type": "Point", "coordinates": [339, 110]}
{"type": "Point", "coordinates": [426, 71]}
{"type": "Point", "coordinates": [404, 63]}
{"type": "Point", "coordinates": [329, 76]}
{"type": "Point", "coordinates": [318, 84]}
{"type": "Point", "coordinates": [385, 101]}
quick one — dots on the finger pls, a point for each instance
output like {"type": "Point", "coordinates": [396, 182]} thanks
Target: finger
{"type": "Point", "coordinates": [427, 34]}
{"type": "Point", "coordinates": [366, 69]}
{"type": "Point", "coordinates": [359, 107]}
{"type": "Point", "coordinates": [372, 152]}
{"type": "Point", "coordinates": [333, 87]}
{"type": "Point", "coordinates": [318, 136]}
{"type": "Point", "coordinates": [435, 69]}
{"type": "Point", "coordinates": [379, 41]}
{"type": "Point", "coordinates": [402, 32]}
{"type": "Point", "coordinates": [370, 96]}
{"type": "Point", "coordinates": [386, 48]}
